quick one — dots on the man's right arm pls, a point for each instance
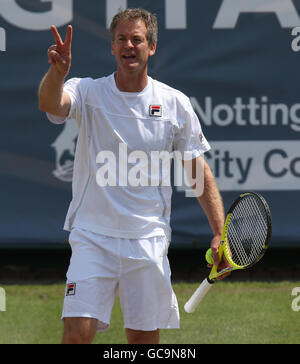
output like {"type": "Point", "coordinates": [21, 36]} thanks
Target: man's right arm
{"type": "Point", "coordinates": [52, 98]}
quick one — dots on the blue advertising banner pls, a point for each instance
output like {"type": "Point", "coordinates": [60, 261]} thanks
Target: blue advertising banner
{"type": "Point", "coordinates": [237, 61]}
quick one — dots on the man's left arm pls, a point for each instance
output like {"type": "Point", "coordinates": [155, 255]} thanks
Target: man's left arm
{"type": "Point", "coordinates": [210, 199]}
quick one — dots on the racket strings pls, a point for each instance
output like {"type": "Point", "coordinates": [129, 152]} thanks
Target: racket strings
{"type": "Point", "coordinates": [248, 245]}
{"type": "Point", "coordinates": [247, 231]}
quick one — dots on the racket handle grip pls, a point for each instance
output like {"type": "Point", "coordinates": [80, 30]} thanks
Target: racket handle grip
{"type": "Point", "coordinates": [197, 296]}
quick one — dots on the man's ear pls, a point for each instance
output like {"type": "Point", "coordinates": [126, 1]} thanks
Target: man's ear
{"type": "Point", "coordinates": [152, 49]}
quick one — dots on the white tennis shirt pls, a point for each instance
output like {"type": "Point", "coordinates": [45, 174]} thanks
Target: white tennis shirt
{"type": "Point", "coordinates": [117, 126]}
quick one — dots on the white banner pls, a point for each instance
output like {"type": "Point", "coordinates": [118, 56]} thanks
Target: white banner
{"type": "Point", "coordinates": [256, 165]}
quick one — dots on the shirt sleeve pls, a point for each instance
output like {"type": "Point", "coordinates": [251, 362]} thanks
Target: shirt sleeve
{"type": "Point", "coordinates": [189, 139]}
{"type": "Point", "coordinates": [72, 87]}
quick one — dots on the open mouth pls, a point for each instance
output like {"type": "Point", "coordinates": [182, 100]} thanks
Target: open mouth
{"type": "Point", "coordinates": [128, 57]}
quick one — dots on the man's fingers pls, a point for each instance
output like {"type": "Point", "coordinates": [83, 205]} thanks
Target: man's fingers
{"type": "Point", "coordinates": [223, 276]}
{"type": "Point", "coordinates": [215, 254]}
{"type": "Point", "coordinates": [54, 57]}
{"type": "Point", "coordinates": [68, 39]}
{"type": "Point", "coordinates": [59, 54]}
{"type": "Point", "coordinates": [215, 244]}
{"type": "Point", "coordinates": [56, 36]}
{"type": "Point", "coordinates": [52, 48]}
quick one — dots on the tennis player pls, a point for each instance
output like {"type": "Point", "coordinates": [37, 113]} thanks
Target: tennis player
{"type": "Point", "coordinates": [120, 232]}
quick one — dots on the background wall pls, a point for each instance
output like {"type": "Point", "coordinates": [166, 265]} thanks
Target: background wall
{"type": "Point", "coordinates": [237, 60]}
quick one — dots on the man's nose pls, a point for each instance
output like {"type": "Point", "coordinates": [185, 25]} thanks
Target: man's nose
{"type": "Point", "coordinates": [128, 44]}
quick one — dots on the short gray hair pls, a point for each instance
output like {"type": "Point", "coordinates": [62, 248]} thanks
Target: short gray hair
{"type": "Point", "coordinates": [135, 14]}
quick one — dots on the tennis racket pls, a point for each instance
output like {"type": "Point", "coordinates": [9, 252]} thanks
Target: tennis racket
{"type": "Point", "coordinates": [245, 238]}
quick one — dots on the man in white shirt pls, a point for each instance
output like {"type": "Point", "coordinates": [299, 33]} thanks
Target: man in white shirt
{"type": "Point", "coordinates": [120, 223]}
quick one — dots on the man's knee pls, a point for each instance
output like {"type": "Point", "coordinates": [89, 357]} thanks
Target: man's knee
{"type": "Point", "coordinates": [79, 330]}
{"type": "Point", "coordinates": [142, 337]}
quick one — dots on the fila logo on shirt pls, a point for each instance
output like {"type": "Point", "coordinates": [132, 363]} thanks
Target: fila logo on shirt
{"type": "Point", "coordinates": [71, 287]}
{"type": "Point", "coordinates": [155, 110]}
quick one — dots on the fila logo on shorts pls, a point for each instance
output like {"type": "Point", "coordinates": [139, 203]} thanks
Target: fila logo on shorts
{"type": "Point", "coordinates": [155, 110]}
{"type": "Point", "coordinates": [71, 287]}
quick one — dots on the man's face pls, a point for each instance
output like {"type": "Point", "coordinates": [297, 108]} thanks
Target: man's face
{"type": "Point", "coordinates": [130, 46]}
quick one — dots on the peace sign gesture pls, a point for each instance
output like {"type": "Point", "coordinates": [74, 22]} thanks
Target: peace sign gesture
{"type": "Point", "coordinates": [59, 54]}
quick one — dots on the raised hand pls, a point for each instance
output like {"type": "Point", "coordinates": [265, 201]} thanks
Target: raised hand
{"type": "Point", "coordinates": [59, 54]}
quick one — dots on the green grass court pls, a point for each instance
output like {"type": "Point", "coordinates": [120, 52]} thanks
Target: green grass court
{"type": "Point", "coordinates": [232, 312]}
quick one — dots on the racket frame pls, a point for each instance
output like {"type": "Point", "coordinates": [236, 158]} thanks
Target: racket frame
{"type": "Point", "coordinates": [207, 283]}
{"type": "Point", "coordinates": [224, 246]}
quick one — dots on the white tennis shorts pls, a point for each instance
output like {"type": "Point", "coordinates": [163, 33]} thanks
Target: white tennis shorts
{"type": "Point", "coordinates": [138, 269]}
